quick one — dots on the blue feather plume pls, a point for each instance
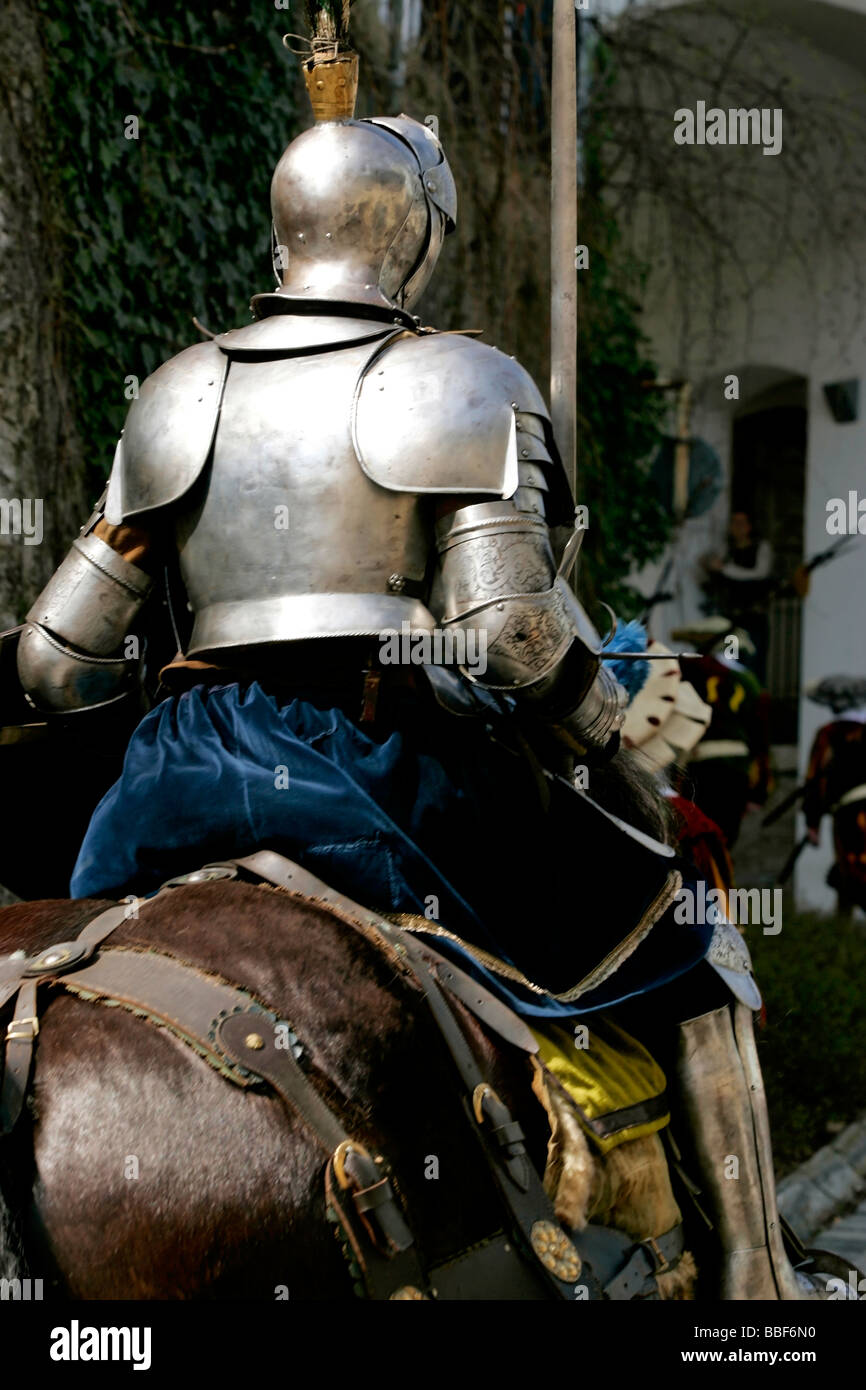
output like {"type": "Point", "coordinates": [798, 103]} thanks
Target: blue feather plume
{"type": "Point", "coordinates": [633, 675]}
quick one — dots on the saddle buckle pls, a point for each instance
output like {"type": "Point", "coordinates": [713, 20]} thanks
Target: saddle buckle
{"type": "Point", "coordinates": [661, 1261]}
{"type": "Point", "coordinates": [13, 1035]}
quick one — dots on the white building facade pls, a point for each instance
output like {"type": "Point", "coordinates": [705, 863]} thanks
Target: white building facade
{"type": "Point", "coordinates": [785, 326]}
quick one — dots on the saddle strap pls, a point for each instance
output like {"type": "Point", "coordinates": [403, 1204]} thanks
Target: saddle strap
{"type": "Point", "coordinates": [166, 991]}
{"type": "Point", "coordinates": [19, 1056]}
{"type": "Point", "coordinates": [371, 1191]}
{"type": "Point", "coordinates": [22, 974]}
{"type": "Point", "coordinates": [398, 947]}
{"type": "Point", "coordinates": [55, 959]}
{"type": "Point", "coordinates": [236, 1035]}
{"type": "Point", "coordinates": [501, 1138]}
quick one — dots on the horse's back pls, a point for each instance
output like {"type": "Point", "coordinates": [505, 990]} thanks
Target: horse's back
{"type": "Point", "coordinates": [138, 1139]}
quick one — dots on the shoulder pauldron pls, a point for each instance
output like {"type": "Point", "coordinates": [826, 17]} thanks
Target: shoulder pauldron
{"type": "Point", "coordinates": [168, 433]}
{"type": "Point", "coordinates": [442, 413]}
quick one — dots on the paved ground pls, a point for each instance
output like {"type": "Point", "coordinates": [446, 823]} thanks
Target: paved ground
{"type": "Point", "coordinates": [825, 1198]}
{"type": "Point", "coordinates": [760, 852]}
{"type": "Point", "coordinates": [847, 1237]}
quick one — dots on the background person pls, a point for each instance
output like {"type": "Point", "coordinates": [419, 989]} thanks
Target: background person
{"type": "Point", "coordinates": [730, 768]}
{"type": "Point", "coordinates": [836, 785]}
{"type": "Point", "coordinates": [739, 584]}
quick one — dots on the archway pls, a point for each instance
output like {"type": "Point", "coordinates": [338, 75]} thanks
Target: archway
{"type": "Point", "coordinates": [768, 474]}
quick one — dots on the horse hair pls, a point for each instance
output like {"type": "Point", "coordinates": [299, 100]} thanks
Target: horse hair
{"type": "Point", "coordinates": [12, 1265]}
{"type": "Point", "coordinates": [628, 788]}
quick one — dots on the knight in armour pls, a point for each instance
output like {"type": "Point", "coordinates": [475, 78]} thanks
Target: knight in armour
{"type": "Point", "coordinates": [295, 496]}
{"type": "Point", "coordinates": [316, 484]}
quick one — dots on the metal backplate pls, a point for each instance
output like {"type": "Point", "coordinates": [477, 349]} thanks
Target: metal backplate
{"type": "Point", "coordinates": [285, 334]}
{"type": "Point", "coordinates": [290, 540]}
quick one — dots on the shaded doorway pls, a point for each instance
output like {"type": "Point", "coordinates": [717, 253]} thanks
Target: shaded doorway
{"type": "Point", "coordinates": [768, 476]}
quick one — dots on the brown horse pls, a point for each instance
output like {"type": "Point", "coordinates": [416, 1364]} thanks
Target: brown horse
{"type": "Point", "coordinates": [137, 1171]}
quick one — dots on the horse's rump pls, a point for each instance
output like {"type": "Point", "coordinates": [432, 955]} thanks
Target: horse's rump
{"type": "Point", "coordinates": [140, 1172]}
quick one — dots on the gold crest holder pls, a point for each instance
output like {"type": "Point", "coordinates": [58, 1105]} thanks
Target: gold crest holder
{"type": "Point", "coordinates": [332, 85]}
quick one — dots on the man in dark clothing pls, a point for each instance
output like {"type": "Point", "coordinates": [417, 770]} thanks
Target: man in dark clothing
{"type": "Point", "coordinates": [739, 583]}
{"type": "Point", "coordinates": [836, 785]}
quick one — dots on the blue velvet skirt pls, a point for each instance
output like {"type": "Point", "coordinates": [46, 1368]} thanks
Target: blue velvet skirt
{"type": "Point", "coordinates": [442, 826]}
{"type": "Point", "coordinates": [221, 771]}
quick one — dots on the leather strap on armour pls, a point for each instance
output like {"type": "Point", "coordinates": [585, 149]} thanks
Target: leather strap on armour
{"type": "Point", "coordinates": [649, 1258]}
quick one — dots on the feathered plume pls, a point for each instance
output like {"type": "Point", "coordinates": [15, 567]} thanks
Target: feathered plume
{"type": "Point", "coordinates": [328, 21]}
{"type": "Point", "coordinates": [631, 637]}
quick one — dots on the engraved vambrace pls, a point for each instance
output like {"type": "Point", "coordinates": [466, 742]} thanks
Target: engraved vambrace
{"type": "Point", "coordinates": [71, 653]}
{"type": "Point", "coordinates": [497, 581]}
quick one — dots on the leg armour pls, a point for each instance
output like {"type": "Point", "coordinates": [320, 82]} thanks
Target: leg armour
{"type": "Point", "coordinates": [723, 1094]}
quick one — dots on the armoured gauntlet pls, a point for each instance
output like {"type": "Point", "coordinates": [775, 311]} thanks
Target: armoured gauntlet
{"type": "Point", "coordinates": [71, 653]}
{"type": "Point", "coordinates": [497, 577]}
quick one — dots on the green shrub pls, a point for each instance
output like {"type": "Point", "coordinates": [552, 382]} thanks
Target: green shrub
{"type": "Point", "coordinates": [813, 1048]}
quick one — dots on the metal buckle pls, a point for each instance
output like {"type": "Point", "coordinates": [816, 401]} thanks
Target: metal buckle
{"type": "Point", "coordinates": [340, 1155]}
{"type": "Point", "coordinates": [662, 1263]}
{"type": "Point", "coordinates": [203, 875]}
{"type": "Point", "coordinates": [483, 1092]}
{"type": "Point", "coordinates": [12, 1036]}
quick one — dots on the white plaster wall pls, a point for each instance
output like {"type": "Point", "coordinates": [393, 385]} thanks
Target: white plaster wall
{"type": "Point", "coordinates": [803, 324]}
{"type": "Point", "coordinates": [695, 538]}
{"type": "Point", "coordinates": [834, 612]}
{"type": "Point", "coordinates": [834, 616]}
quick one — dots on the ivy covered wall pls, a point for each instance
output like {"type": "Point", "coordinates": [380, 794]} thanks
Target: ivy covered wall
{"type": "Point", "coordinates": [167, 121]}
{"type": "Point", "coordinates": [162, 126]}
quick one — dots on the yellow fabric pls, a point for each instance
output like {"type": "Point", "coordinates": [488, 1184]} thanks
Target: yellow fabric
{"type": "Point", "coordinates": [611, 1073]}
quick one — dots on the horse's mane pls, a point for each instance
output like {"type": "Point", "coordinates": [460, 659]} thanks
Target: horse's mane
{"type": "Point", "coordinates": [628, 789]}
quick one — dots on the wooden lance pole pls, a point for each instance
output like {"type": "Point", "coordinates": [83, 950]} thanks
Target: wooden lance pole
{"type": "Point", "coordinates": [563, 236]}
